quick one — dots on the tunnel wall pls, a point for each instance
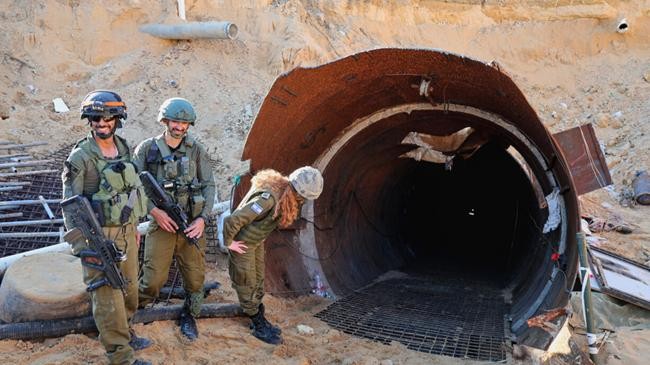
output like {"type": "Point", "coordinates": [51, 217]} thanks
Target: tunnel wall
{"type": "Point", "coordinates": [348, 117]}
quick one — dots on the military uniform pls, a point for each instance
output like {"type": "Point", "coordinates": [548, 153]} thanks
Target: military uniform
{"type": "Point", "coordinates": [251, 222]}
{"type": "Point", "coordinates": [87, 172]}
{"type": "Point", "coordinates": [186, 175]}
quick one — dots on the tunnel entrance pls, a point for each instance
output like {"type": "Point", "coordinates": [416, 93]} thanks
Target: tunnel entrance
{"type": "Point", "coordinates": [457, 234]}
{"type": "Point", "coordinates": [437, 169]}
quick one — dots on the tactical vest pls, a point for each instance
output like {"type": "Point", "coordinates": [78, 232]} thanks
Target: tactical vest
{"type": "Point", "coordinates": [121, 198]}
{"type": "Point", "coordinates": [176, 176]}
{"type": "Point", "coordinates": [260, 228]}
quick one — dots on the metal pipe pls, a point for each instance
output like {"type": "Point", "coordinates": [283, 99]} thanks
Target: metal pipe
{"type": "Point", "coordinates": [6, 261]}
{"type": "Point", "coordinates": [29, 202]}
{"type": "Point", "coordinates": [13, 156]}
{"type": "Point", "coordinates": [10, 188]}
{"type": "Point", "coordinates": [193, 30]}
{"type": "Point", "coordinates": [23, 145]}
{"type": "Point", "coordinates": [62, 327]}
{"type": "Point", "coordinates": [15, 183]}
{"type": "Point", "coordinates": [49, 212]}
{"type": "Point", "coordinates": [31, 223]}
{"type": "Point", "coordinates": [11, 215]}
{"type": "Point", "coordinates": [641, 186]}
{"type": "Point", "coordinates": [8, 165]}
{"type": "Point", "coordinates": [27, 173]}
{"type": "Point", "coordinates": [586, 296]}
{"type": "Point", "coordinates": [29, 234]}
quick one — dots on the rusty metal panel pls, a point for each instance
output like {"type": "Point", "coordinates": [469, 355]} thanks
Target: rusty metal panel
{"type": "Point", "coordinates": [585, 159]}
{"type": "Point", "coordinates": [307, 108]}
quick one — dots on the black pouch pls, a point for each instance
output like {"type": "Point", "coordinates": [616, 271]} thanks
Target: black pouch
{"type": "Point", "coordinates": [99, 211]}
{"type": "Point", "coordinates": [153, 154]}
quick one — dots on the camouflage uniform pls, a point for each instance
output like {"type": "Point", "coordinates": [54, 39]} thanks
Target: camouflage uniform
{"type": "Point", "coordinates": [188, 174]}
{"type": "Point", "coordinates": [112, 310]}
{"type": "Point", "coordinates": [251, 222]}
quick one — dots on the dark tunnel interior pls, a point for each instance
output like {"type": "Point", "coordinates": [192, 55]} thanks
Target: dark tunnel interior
{"type": "Point", "coordinates": [478, 218]}
{"type": "Point", "coordinates": [466, 219]}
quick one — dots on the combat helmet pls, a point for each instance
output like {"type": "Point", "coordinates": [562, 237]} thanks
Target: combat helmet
{"type": "Point", "coordinates": [307, 181]}
{"type": "Point", "coordinates": [178, 109]}
{"type": "Point", "coordinates": [105, 104]}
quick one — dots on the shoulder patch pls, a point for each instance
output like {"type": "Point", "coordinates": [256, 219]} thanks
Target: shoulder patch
{"type": "Point", "coordinates": [265, 195]}
{"type": "Point", "coordinates": [257, 208]}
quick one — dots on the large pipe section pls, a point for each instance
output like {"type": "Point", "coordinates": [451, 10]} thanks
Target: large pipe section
{"type": "Point", "coordinates": [490, 214]}
{"type": "Point", "coordinates": [192, 30]}
{"type": "Point", "coordinates": [62, 327]}
{"type": "Point", "coordinates": [6, 261]}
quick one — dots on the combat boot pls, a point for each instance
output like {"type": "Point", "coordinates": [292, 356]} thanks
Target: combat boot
{"type": "Point", "coordinates": [275, 329]}
{"type": "Point", "coordinates": [188, 326]}
{"type": "Point", "coordinates": [263, 332]}
{"type": "Point", "coordinates": [138, 343]}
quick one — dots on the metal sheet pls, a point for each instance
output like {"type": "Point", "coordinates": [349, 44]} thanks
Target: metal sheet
{"type": "Point", "coordinates": [586, 161]}
{"type": "Point", "coordinates": [621, 278]}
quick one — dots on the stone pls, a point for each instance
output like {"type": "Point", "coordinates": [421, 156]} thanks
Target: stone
{"type": "Point", "coordinates": [59, 106]}
{"type": "Point", "coordinates": [305, 330]}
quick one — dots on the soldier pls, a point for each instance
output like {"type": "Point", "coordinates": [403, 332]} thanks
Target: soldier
{"type": "Point", "coordinates": [100, 168]}
{"type": "Point", "coordinates": [272, 200]}
{"type": "Point", "coordinates": [180, 165]}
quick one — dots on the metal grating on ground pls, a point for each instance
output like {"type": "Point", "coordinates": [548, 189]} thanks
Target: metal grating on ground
{"type": "Point", "coordinates": [456, 320]}
{"type": "Point", "coordinates": [47, 185]}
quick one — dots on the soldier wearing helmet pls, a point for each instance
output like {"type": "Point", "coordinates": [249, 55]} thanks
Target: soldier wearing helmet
{"type": "Point", "coordinates": [100, 168]}
{"type": "Point", "coordinates": [273, 200]}
{"type": "Point", "coordinates": [181, 166]}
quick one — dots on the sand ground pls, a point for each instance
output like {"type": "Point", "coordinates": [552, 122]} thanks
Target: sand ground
{"type": "Point", "coordinates": [565, 55]}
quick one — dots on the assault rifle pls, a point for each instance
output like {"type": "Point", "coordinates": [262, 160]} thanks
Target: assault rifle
{"type": "Point", "coordinates": [102, 253]}
{"type": "Point", "coordinates": [161, 200]}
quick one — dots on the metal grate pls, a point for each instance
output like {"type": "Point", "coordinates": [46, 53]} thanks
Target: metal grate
{"type": "Point", "coordinates": [460, 320]}
{"type": "Point", "coordinates": [50, 187]}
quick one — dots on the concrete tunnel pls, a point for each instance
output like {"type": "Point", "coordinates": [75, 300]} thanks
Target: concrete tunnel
{"type": "Point", "coordinates": [496, 211]}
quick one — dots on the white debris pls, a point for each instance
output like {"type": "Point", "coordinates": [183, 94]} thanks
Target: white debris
{"type": "Point", "coordinates": [554, 218]}
{"type": "Point", "coordinates": [59, 106]}
{"type": "Point", "coordinates": [618, 114]}
{"type": "Point", "coordinates": [305, 330]}
{"type": "Point", "coordinates": [584, 226]}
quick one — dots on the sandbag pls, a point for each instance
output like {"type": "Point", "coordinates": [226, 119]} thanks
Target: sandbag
{"type": "Point", "coordinates": [42, 287]}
